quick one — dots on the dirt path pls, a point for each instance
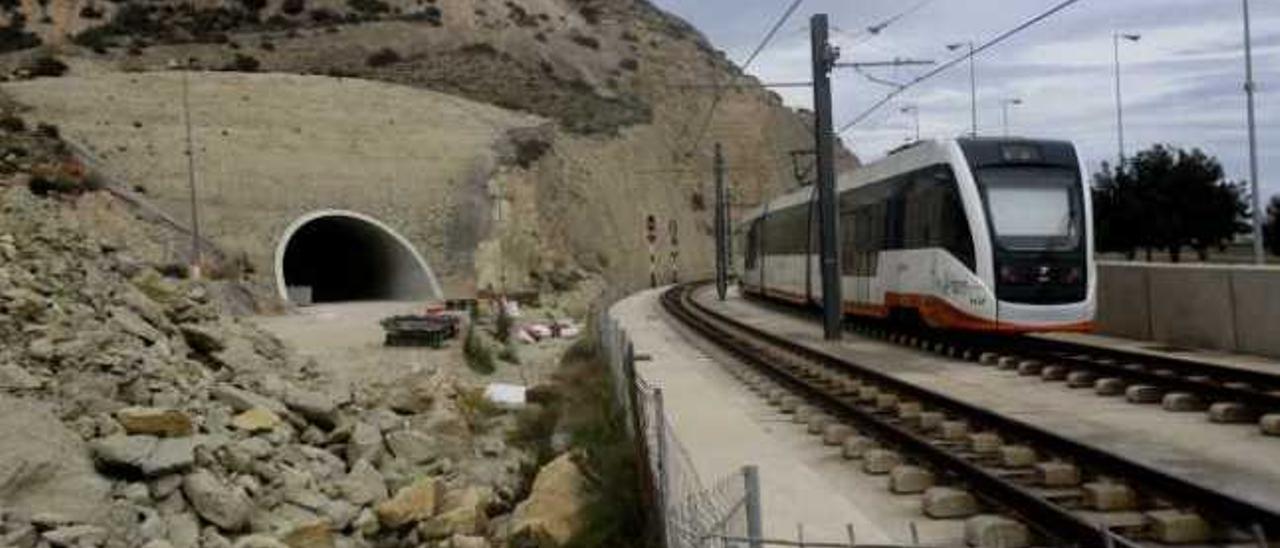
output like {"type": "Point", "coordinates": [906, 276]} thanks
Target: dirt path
{"type": "Point", "coordinates": [346, 342]}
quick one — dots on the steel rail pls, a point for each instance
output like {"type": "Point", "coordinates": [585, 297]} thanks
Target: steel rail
{"type": "Point", "coordinates": [1059, 522]}
{"type": "Point", "coordinates": [1214, 382]}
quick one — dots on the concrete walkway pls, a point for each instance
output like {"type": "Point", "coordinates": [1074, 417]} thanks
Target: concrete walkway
{"type": "Point", "coordinates": [724, 426]}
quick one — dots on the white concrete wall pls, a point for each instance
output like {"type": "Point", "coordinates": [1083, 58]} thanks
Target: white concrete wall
{"type": "Point", "coordinates": [1224, 307]}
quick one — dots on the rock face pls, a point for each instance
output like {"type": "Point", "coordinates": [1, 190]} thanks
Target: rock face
{"type": "Point", "coordinates": [554, 512]}
{"type": "Point", "coordinates": [582, 67]}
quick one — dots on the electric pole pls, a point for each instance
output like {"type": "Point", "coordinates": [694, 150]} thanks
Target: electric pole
{"type": "Point", "coordinates": [722, 224]}
{"type": "Point", "coordinates": [824, 59]}
{"type": "Point", "coordinates": [1259, 252]}
{"type": "Point", "coordinates": [196, 258]}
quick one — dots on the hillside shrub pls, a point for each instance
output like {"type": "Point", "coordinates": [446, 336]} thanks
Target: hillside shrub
{"type": "Point", "coordinates": [48, 130]}
{"type": "Point", "coordinates": [324, 15]}
{"type": "Point", "coordinates": [383, 57]}
{"type": "Point", "coordinates": [503, 326]}
{"type": "Point", "coordinates": [430, 15]}
{"type": "Point", "coordinates": [529, 151]}
{"type": "Point", "coordinates": [629, 64]}
{"type": "Point", "coordinates": [14, 36]}
{"type": "Point", "coordinates": [586, 41]}
{"type": "Point", "coordinates": [12, 124]}
{"type": "Point", "coordinates": [479, 48]}
{"type": "Point", "coordinates": [293, 7]}
{"type": "Point", "coordinates": [369, 7]}
{"type": "Point", "coordinates": [479, 356]}
{"type": "Point", "coordinates": [243, 63]}
{"type": "Point", "coordinates": [45, 66]}
{"type": "Point", "coordinates": [90, 11]}
{"type": "Point", "coordinates": [591, 14]}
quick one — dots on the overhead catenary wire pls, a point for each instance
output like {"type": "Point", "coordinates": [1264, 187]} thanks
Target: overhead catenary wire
{"type": "Point", "coordinates": [945, 66]}
{"type": "Point", "coordinates": [764, 43]}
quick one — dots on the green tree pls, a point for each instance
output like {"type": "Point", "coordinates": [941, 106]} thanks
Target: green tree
{"type": "Point", "coordinates": [1271, 232]}
{"type": "Point", "coordinates": [1167, 198]}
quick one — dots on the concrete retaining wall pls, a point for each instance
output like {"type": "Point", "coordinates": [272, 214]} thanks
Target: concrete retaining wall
{"type": "Point", "coordinates": [1233, 308]}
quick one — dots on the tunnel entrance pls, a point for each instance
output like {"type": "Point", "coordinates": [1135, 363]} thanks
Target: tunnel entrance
{"type": "Point", "coordinates": [337, 256]}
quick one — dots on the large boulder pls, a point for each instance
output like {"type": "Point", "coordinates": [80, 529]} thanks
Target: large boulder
{"type": "Point", "coordinates": [44, 467]}
{"type": "Point", "coordinates": [226, 506]}
{"type": "Point", "coordinates": [555, 511]}
{"type": "Point", "coordinates": [414, 503]}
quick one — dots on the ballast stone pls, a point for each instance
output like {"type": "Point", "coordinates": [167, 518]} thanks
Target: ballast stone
{"type": "Point", "coordinates": [1017, 456]}
{"type": "Point", "coordinates": [1270, 424]}
{"type": "Point", "coordinates": [948, 502]}
{"type": "Point", "coordinates": [906, 479]}
{"type": "Point", "coordinates": [995, 531]}
{"type": "Point", "coordinates": [1081, 379]}
{"type": "Point", "coordinates": [1054, 373]}
{"type": "Point", "coordinates": [1109, 386]}
{"type": "Point", "coordinates": [1057, 474]}
{"type": "Point", "coordinates": [854, 447]}
{"type": "Point", "coordinates": [1225, 412]}
{"type": "Point", "coordinates": [1182, 402]}
{"type": "Point", "coordinates": [1178, 527]}
{"type": "Point", "coordinates": [1109, 497]}
{"type": "Point", "coordinates": [1143, 393]}
{"type": "Point", "coordinates": [835, 434]}
{"type": "Point", "coordinates": [880, 461]}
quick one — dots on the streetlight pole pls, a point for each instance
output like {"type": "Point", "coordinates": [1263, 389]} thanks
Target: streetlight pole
{"type": "Point", "coordinates": [1004, 108]}
{"type": "Point", "coordinates": [1115, 42]}
{"type": "Point", "coordinates": [973, 87]}
{"type": "Point", "coordinates": [1259, 253]}
{"type": "Point", "coordinates": [197, 260]}
{"type": "Point", "coordinates": [915, 110]}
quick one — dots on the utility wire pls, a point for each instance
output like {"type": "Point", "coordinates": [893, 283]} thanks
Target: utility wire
{"type": "Point", "coordinates": [878, 28]}
{"type": "Point", "coordinates": [945, 66]}
{"type": "Point", "coordinates": [791, 10]}
{"type": "Point", "coordinates": [715, 102]}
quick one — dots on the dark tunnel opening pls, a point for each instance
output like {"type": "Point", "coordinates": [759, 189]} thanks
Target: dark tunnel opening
{"type": "Point", "coordinates": [339, 258]}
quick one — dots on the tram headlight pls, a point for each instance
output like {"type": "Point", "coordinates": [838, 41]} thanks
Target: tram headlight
{"type": "Point", "coordinates": [1010, 275]}
{"type": "Point", "coordinates": [1073, 276]}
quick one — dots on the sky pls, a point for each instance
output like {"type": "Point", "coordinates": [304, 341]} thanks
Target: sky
{"type": "Point", "coordinates": [1182, 82]}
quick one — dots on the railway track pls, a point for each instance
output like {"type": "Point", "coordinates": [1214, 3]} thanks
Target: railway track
{"type": "Point", "coordinates": [1059, 490]}
{"type": "Point", "coordinates": [1230, 395]}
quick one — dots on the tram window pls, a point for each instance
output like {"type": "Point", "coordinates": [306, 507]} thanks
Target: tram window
{"type": "Point", "coordinates": [785, 231]}
{"type": "Point", "coordinates": [753, 240]}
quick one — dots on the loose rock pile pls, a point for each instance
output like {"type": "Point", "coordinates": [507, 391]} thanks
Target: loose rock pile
{"type": "Point", "coordinates": [133, 413]}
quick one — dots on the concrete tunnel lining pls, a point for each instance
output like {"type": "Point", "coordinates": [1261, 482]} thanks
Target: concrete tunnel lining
{"type": "Point", "coordinates": [348, 256]}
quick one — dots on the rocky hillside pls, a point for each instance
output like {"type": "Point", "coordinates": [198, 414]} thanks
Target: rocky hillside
{"type": "Point", "coordinates": [621, 87]}
{"type": "Point", "coordinates": [134, 413]}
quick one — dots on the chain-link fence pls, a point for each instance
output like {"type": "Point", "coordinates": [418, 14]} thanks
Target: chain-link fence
{"type": "Point", "coordinates": [683, 511]}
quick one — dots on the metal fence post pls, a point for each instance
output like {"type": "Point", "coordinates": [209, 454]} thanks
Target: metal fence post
{"type": "Point", "coordinates": [751, 494]}
{"type": "Point", "coordinates": [660, 424]}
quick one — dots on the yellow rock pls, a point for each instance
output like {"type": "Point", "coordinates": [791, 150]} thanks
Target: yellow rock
{"type": "Point", "coordinates": [464, 513]}
{"type": "Point", "coordinates": [165, 423]}
{"type": "Point", "coordinates": [315, 534]}
{"type": "Point", "coordinates": [555, 511]}
{"type": "Point", "coordinates": [258, 419]}
{"type": "Point", "coordinates": [413, 503]}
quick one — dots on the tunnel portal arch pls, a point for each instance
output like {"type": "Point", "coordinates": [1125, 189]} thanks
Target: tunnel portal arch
{"type": "Point", "coordinates": [336, 255]}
